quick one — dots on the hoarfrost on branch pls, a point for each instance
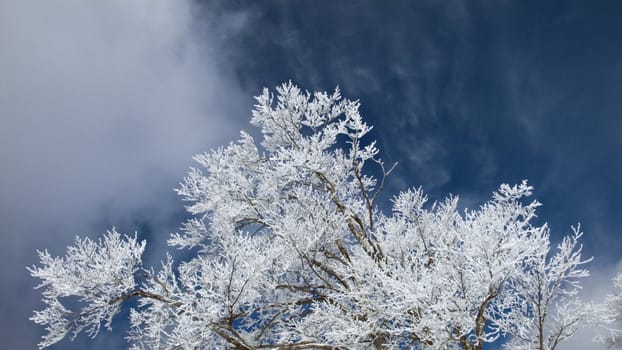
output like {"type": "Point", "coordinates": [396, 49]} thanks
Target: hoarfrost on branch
{"type": "Point", "coordinates": [294, 252]}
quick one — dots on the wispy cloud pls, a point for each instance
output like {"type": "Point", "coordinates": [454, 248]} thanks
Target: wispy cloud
{"type": "Point", "coordinates": [102, 106]}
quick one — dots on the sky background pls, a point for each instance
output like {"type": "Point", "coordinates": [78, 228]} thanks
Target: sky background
{"type": "Point", "coordinates": [103, 103]}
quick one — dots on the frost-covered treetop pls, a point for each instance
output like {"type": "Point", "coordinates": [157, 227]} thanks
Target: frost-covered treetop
{"type": "Point", "coordinates": [293, 252]}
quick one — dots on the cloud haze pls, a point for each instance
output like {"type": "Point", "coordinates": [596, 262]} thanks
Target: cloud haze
{"type": "Point", "coordinates": [102, 105]}
{"type": "Point", "coordinates": [595, 289]}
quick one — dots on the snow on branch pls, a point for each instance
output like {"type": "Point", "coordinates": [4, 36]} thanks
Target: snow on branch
{"type": "Point", "coordinates": [96, 275]}
{"type": "Point", "coordinates": [293, 252]}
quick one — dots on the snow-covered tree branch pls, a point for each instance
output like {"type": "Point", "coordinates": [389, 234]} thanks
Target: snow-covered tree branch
{"type": "Point", "coordinates": [295, 253]}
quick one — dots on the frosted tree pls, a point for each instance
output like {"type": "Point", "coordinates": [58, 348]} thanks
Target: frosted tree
{"type": "Point", "coordinates": [556, 310]}
{"type": "Point", "coordinates": [294, 252]}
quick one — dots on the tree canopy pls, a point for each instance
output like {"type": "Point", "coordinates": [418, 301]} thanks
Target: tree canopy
{"type": "Point", "coordinates": [293, 251]}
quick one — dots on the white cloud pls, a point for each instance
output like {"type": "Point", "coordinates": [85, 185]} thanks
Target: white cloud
{"type": "Point", "coordinates": [102, 105]}
{"type": "Point", "coordinates": [595, 289]}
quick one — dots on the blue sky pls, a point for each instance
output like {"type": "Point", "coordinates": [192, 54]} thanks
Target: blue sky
{"type": "Point", "coordinates": [103, 104]}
